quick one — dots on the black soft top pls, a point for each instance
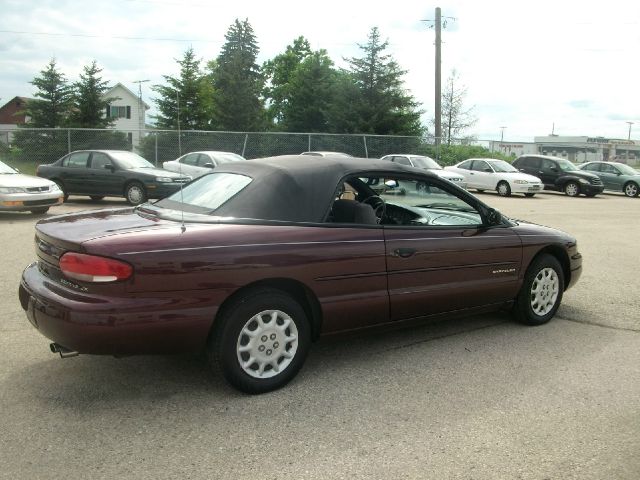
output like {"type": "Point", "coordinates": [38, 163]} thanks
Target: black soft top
{"type": "Point", "coordinates": [297, 188]}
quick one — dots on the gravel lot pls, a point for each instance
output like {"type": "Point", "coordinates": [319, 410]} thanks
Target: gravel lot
{"type": "Point", "coordinates": [480, 398]}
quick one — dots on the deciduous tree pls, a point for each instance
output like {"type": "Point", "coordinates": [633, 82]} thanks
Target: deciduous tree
{"type": "Point", "coordinates": [456, 118]}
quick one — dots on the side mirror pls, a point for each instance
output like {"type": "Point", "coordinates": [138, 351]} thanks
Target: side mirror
{"type": "Point", "coordinates": [110, 167]}
{"type": "Point", "coordinates": [488, 170]}
{"type": "Point", "coordinates": [494, 217]}
{"type": "Point", "coordinates": [554, 169]}
{"type": "Point", "coordinates": [208, 165]}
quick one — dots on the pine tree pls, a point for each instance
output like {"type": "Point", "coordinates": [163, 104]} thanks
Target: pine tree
{"type": "Point", "coordinates": [383, 105]}
{"type": "Point", "coordinates": [89, 102]}
{"type": "Point", "coordinates": [52, 105]}
{"type": "Point", "coordinates": [311, 91]}
{"type": "Point", "coordinates": [278, 73]}
{"type": "Point", "coordinates": [238, 82]}
{"type": "Point", "coordinates": [192, 90]}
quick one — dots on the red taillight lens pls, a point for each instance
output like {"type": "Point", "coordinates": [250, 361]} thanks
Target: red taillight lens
{"type": "Point", "coordinates": [90, 268]}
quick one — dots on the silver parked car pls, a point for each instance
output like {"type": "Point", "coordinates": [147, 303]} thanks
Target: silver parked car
{"type": "Point", "coordinates": [20, 192]}
{"type": "Point", "coordinates": [426, 163]}
{"type": "Point", "coordinates": [196, 164]}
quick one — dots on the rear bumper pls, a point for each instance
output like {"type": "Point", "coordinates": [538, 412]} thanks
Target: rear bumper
{"type": "Point", "coordinates": [87, 323]}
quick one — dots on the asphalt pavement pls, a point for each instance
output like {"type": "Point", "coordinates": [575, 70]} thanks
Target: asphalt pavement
{"type": "Point", "coordinates": [479, 398]}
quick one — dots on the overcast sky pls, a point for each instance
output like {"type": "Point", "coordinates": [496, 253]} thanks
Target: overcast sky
{"type": "Point", "coordinates": [527, 65]}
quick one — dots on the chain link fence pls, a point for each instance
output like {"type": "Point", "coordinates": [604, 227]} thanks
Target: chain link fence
{"type": "Point", "coordinates": [29, 147]}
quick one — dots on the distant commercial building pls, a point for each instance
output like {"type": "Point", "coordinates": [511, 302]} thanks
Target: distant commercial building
{"type": "Point", "coordinates": [587, 149]}
{"type": "Point", "coordinates": [514, 149]}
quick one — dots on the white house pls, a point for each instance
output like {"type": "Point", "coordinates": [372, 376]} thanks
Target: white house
{"type": "Point", "coordinates": [128, 111]}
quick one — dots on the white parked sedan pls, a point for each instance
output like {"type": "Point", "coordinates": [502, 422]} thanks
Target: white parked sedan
{"type": "Point", "coordinates": [196, 164]}
{"type": "Point", "coordinates": [426, 163]}
{"type": "Point", "coordinates": [19, 192]}
{"type": "Point", "coordinates": [491, 174]}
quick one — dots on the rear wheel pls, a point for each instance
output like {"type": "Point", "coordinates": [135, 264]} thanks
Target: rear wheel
{"type": "Point", "coordinates": [541, 292]}
{"type": "Point", "coordinates": [572, 189]}
{"type": "Point", "coordinates": [503, 189]}
{"type": "Point", "coordinates": [135, 193]}
{"type": "Point", "coordinates": [631, 189]}
{"type": "Point", "coordinates": [261, 340]}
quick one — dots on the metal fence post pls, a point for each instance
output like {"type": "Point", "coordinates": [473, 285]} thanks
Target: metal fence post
{"type": "Point", "coordinates": [366, 152]}
{"type": "Point", "coordinates": [244, 147]}
{"type": "Point", "coordinates": [309, 145]}
{"type": "Point", "coordinates": [68, 140]}
{"type": "Point", "coordinates": [155, 136]}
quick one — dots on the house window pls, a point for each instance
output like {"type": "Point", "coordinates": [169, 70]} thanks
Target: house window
{"type": "Point", "coordinates": [119, 111]}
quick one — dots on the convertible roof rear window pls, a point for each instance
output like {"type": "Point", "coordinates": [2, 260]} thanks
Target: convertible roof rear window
{"type": "Point", "coordinates": [210, 192]}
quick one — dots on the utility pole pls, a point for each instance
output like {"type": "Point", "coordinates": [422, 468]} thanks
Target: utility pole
{"type": "Point", "coordinates": [629, 137]}
{"type": "Point", "coordinates": [140, 105]}
{"type": "Point", "coordinates": [438, 93]}
{"type": "Point", "coordinates": [502, 134]}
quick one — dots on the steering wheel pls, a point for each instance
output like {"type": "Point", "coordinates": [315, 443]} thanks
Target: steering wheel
{"type": "Point", "coordinates": [378, 204]}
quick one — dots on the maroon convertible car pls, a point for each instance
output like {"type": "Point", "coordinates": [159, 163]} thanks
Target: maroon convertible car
{"type": "Point", "coordinates": [253, 261]}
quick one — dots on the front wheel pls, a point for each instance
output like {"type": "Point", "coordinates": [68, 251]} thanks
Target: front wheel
{"type": "Point", "coordinates": [631, 189]}
{"type": "Point", "coordinates": [572, 189]}
{"type": "Point", "coordinates": [135, 194]}
{"type": "Point", "coordinates": [503, 189]}
{"type": "Point", "coordinates": [261, 341]}
{"type": "Point", "coordinates": [541, 292]}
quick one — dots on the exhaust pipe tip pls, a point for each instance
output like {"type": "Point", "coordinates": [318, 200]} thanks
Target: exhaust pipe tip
{"type": "Point", "coordinates": [63, 351]}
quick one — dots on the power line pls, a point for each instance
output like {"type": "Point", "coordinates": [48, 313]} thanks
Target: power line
{"type": "Point", "coordinates": [155, 39]}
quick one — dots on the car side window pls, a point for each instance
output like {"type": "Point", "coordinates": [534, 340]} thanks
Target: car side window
{"type": "Point", "coordinates": [76, 160]}
{"type": "Point", "coordinates": [190, 159]}
{"type": "Point", "coordinates": [549, 165]}
{"type": "Point", "coordinates": [99, 160]}
{"type": "Point", "coordinates": [481, 166]}
{"type": "Point", "coordinates": [402, 201]}
{"type": "Point", "coordinates": [402, 161]}
{"type": "Point", "coordinates": [606, 168]}
{"type": "Point", "coordinates": [203, 159]}
{"type": "Point", "coordinates": [466, 165]}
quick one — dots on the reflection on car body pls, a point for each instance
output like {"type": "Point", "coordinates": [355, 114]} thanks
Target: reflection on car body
{"type": "Point", "coordinates": [253, 261]}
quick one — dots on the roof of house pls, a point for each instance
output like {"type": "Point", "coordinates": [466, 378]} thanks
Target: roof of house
{"type": "Point", "coordinates": [109, 92]}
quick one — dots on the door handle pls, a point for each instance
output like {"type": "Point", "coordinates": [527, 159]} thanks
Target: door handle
{"type": "Point", "coordinates": [404, 252]}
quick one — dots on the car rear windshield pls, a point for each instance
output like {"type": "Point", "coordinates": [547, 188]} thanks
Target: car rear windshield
{"type": "Point", "coordinates": [426, 162]}
{"type": "Point", "coordinates": [130, 160]}
{"type": "Point", "coordinates": [207, 194]}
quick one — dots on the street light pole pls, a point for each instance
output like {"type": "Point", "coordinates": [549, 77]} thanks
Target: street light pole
{"type": "Point", "coordinates": [629, 136]}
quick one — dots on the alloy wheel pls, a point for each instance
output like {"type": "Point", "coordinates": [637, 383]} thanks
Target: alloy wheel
{"type": "Point", "coordinates": [544, 291]}
{"type": "Point", "coordinates": [267, 344]}
{"type": "Point", "coordinates": [631, 190]}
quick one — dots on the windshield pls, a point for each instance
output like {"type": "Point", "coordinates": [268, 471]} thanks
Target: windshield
{"type": "Point", "coordinates": [206, 194]}
{"type": "Point", "coordinates": [130, 160]}
{"type": "Point", "coordinates": [502, 166]}
{"type": "Point", "coordinates": [567, 166]}
{"type": "Point", "coordinates": [4, 168]}
{"type": "Point", "coordinates": [425, 162]}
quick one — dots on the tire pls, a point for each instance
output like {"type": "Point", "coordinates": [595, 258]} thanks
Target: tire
{"type": "Point", "coordinates": [96, 198]}
{"type": "Point", "coordinates": [135, 193]}
{"type": "Point", "coordinates": [261, 329]}
{"type": "Point", "coordinates": [40, 211]}
{"type": "Point", "coordinates": [571, 189]}
{"type": "Point", "coordinates": [630, 189]}
{"type": "Point", "coordinates": [503, 189]}
{"type": "Point", "coordinates": [65, 196]}
{"type": "Point", "coordinates": [529, 195]}
{"type": "Point", "coordinates": [541, 291]}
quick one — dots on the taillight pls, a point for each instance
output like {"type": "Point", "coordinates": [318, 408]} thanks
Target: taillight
{"type": "Point", "coordinates": [90, 268]}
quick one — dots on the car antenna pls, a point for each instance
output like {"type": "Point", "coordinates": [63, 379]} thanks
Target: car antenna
{"type": "Point", "coordinates": [182, 227]}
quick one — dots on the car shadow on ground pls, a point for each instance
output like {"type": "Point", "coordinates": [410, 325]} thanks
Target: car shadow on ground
{"type": "Point", "coordinates": [97, 382]}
